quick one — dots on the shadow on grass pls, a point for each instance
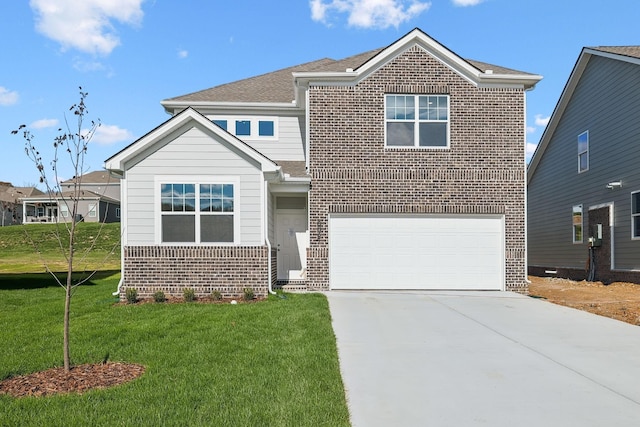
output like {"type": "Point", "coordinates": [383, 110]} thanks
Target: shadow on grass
{"type": "Point", "coordinates": [10, 281]}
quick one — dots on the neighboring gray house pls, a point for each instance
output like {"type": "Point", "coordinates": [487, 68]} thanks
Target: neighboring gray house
{"type": "Point", "coordinates": [584, 178]}
{"type": "Point", "coordinates": [399, 168]}
{"type": "Point", "coordinates": [11, 208]}
{"type": "Point", "coordinates": [99, 201]}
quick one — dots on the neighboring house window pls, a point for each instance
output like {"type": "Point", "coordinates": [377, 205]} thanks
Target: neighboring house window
{"type": "Point", "coordinates": [583, 151]}
{"type": "Point", "coordinates": [92, 211]}
{"type": "Point", "coordinates": [417, 121]}
{"type": "Point", "coordinates": [40, 211]}
{"type": "Point", "coordinates": [64, 211]}
{"type": "Point", "coordinates": [221, 123]}
{"type": "Point", "coordinates": [117, 212]}
{"type": "Point", "coordinates": [635, 215]}
{"type": "Point", "coordinates": [198, 213]}
{"type": "Point", "coordinates": [577, 224]}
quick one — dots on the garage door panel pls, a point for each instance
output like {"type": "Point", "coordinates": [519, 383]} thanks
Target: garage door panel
{"type": "Point", "coordinates": [416, 252]}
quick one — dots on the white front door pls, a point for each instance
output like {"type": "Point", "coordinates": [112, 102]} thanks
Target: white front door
{"type": "Point", "coordinates": [291, 241]}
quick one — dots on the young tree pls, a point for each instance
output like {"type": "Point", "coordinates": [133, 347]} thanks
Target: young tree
{"type": "Point", "coordinates": [70, 145]}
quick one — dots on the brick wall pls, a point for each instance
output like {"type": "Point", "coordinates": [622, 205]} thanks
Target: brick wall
{"type": "Point", "coordinates": [171, 269]}
{"type": "Point", "coordinates": [352, 171]}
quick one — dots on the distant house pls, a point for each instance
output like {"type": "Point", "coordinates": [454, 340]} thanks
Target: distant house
{"type": "Point", "coordinates": [398, 168]}
{"type": "Point", "coordinates": [99, 201]}
{"type": "Point", "coordinates": [11, 208]}
{"type": "Point", "coordinates": [584, 178]}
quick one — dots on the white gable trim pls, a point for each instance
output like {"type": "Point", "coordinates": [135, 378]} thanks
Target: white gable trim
{"type": "Point", "coordinates": [118, 162]}
{"type": "Point", "coordinates": [417, 37]}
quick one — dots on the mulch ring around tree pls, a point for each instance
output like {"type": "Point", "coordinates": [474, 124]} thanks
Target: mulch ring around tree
{"type": "Point", "coordinates": [79, 379]}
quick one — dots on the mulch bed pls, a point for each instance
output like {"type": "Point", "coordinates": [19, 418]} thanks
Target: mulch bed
{"type": "Point", "coordinates": [79, 379]}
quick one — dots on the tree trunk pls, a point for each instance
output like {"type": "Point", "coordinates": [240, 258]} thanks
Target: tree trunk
{"type": "Point", "coordinates": [68, 289]}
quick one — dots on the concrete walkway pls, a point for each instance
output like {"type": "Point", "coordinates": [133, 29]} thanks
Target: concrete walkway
{"type": "Point", "coordinates": [483, 358]}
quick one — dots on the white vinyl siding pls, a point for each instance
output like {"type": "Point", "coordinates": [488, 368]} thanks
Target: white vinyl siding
{"type": "Point", "coordinates": [197, 154]}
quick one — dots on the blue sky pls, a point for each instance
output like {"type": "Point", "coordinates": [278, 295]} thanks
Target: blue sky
{"type": "Point", "coordinates": [131, 54]}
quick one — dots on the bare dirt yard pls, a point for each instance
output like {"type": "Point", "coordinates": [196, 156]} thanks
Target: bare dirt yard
{"type": "Point", "coordinates": [619, 300]}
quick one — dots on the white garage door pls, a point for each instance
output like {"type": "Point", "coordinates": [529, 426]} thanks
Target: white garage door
{"type": "Point", "coordinates": [416, 252]}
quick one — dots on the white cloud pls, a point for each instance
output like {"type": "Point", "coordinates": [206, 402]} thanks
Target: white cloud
{"type": "Point", "coordinates": [85, 25]}
{"type": "Point", "coordinates": [531, 129]}
{"type": "Point", "coordinates": [110, 134]}
{"type": "Point", "coordinates": [464, 3]}
{"type": "Point", "coordinates": [8, 97]}
{"type": "Point", "coordinates": [44, 123]}
{"type": "Point", "coordinates": [541, 121]}
{"type": "Point", "coordinates": [368, 13]}
{"type": "Point", "coordinates": [183, 53]}
{"type": "Point", "coordinates": [87, 66]}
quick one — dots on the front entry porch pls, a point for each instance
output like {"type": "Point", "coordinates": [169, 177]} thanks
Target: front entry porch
{"type": "Point", "coordinates": [291, 241]}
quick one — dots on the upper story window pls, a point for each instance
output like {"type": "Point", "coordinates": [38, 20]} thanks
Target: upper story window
{"type": "Point", "coordinates": [221, 123]}
{"type": "Point", "coordinates": [197, 213]}
{"type": "Point", "coordinates": [249, 128]}
{"type": "Point", "coordinates": [417, 121]}
{"type": "Point", "coordinates": [635, 215]}
{"type": "Point", "coordinates": [577, 224]}
{"type": "Point", "coordinates": [583, 151]}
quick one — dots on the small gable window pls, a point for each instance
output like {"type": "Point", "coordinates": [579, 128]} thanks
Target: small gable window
{"type": "Point", "coordinates": [420, 121]}
{"type": "Point", "coordinates": [635, 215]}
{"type": "Point", "coordinates": [221, 123]}
{"type": "Point", "coordinates": [243, 127]}
{"type": "Point", "coordinates": [583, 151]}
{"type": "Point", "coordinates": [265, 128]}
{"type": "Point", "coordinates": [577, 224]}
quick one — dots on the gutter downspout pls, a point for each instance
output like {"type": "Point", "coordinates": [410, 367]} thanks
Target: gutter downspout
{"type": "Point", "coordinates": [123, 224]}
{"type": "Point", "coordinates": [266, 235]}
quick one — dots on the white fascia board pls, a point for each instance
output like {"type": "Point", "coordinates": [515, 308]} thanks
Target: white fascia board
{"type": "Point", "coordinates": [117, 163]}
{"type": "Point", "coordinates": [616, 56]}
{"type": "Point", "coordinates": [172, 106]}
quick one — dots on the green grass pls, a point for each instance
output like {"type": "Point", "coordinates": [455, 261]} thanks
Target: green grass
{"type": "Point", "coordinates": [18, 254]}
{"type": "Point", "coordinates": [272, 363]}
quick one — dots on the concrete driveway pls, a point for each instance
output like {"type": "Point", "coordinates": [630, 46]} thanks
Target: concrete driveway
{"type": "Point", "coordinates": [483, 358]}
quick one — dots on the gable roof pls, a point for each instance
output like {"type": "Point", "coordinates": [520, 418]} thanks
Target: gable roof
{"type": "Point", "coordinates": [95, 177]}
{"type": "Point", "coordinates": [629, 54]}
{"type": "Point", "coordinates": [278, 88]}
{"type": "Point", "coordinates": [117, 162]}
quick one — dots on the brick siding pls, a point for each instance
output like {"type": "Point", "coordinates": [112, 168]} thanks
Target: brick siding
{"type": "Point", "coordinates": [483, 171]}
{"type": "Point", "coordinates": [171, 269]}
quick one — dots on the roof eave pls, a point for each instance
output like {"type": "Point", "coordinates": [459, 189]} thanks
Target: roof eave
{"type": "Point", "coordinates": [171, 106]}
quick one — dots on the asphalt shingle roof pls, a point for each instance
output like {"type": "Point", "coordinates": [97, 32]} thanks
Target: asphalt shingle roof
{"type": "Point", "coordinates": [277, 86]}
{"type": "Point", "coordinates": [632, 51]}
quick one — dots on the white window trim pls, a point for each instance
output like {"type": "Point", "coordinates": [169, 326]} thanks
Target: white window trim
{"type": "Point", "coordinates": [197, 180]}
{"type": "Point", "coordinates": [573, 228]}
{"type": "Point", "coordinates": [633, 216]}
{"type": "Point", "coordinates": [92, 212]}
{"type": "Point", "coordinates": [64, 210]}
{"type": "Point", "coordinates": [583, 152]}
{"type": "Point", "coordinates": [417, 121]}
{"type": "Point", "coordinates": [254, 136]}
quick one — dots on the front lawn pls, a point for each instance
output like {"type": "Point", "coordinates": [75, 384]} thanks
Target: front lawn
{"type": "Point", "coordinates": [272, 363]}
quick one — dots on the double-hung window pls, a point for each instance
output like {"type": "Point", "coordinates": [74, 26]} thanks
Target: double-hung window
{"type": "Point", "coordinates": [577, 223]}
{"type": "Point", "coordinates": [420, 121]}
{"type": "Point", "coordinates": [635, 215]}
{"type": "Point", "coordinates": [197, 213]}
{"type": "Point", "coordinates": [583, 151]}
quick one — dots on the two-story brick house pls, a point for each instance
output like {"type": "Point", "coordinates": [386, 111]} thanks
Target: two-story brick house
{"type": "Point", "coordinates": [400, 168]}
